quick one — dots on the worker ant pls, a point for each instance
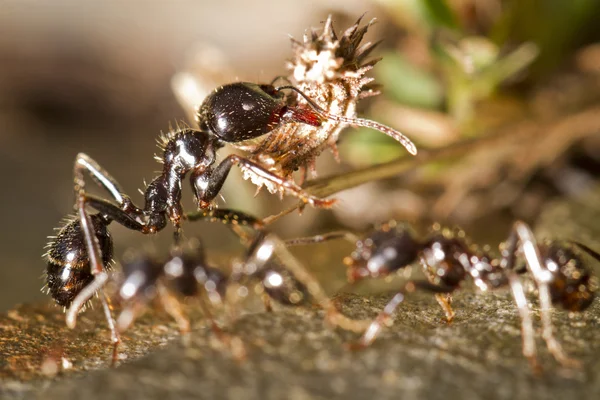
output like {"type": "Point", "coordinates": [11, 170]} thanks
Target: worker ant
{"type": "Point", "coordinates": [267, 266]}
{"type": "Point", "coordinates": [558, 271]}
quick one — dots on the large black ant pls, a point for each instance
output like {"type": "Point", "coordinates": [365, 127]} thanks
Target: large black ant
{"type": "Point", "coordinates": [558, 271]}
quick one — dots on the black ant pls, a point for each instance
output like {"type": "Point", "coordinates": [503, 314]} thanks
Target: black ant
{"type": "Point", "coordinates": [560, 275]}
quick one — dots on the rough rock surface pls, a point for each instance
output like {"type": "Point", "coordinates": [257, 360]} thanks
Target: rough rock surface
{"type": "Point", "coordinates": [292, 354]}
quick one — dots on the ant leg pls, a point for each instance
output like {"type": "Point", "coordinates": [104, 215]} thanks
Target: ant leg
{"type": "Point", "coordinates": [129, 220]}
{"type": "Point", "coordinates": [522, 233]}
{"type": "Point", "coordinates": [588, 250]}
{"type": "Point", "coordinates": [261, 251]}
{"type": "Point", "coordinates": [100, 278]}
{"type": "Point", "coordinates": [173, 308]}
{"type": "Point", "coordinates": [527, 331]}
{"type": "Point", "coordinates": [443, 299]}
{"type": "Point", "coordinates": [234, 343]}
{"type": "Point", "coordinates": [347, 235]}
{"type": "Point", "coordinates": [380, 321]}
{"type": "Point", "coordinates": [114, 336]}
{"type": "Point", "coordinates": [235, 220]}
{"type": "Point", "coordinates": [128, 315]}
{"type": "Point", "coordinates": [226, 216]}
{"type": "Point", "coordinates": [83, 163]}
{"type": "Point", "coordinates": [208, 182]}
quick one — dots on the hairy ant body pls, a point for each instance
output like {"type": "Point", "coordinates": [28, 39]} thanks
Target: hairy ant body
{"type": "Point", "coordinates": [560, 275]}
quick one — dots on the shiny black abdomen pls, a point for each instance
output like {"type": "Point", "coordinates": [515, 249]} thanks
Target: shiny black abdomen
{"type": "Point", "coordinates": [68, 269]}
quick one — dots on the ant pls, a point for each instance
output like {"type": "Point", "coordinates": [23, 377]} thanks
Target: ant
{"type": "Point", "coordinates": [186, 273]}
{"type": "Point", "coordinates": [558, 271]}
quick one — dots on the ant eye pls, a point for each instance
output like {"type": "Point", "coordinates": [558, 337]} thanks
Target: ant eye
{"type": "Point", "coordinates": [241, 111]}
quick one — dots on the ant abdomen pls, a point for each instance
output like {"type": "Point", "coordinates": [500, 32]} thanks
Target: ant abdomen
{"type": "Point", "coordinates": [572, 286]}
{"type": "Point", "coordinates": [187, 271]}
{"type": "Point", "coordinates": [68, 269]}
{"type": "Point", "coordinates": [282, 287]}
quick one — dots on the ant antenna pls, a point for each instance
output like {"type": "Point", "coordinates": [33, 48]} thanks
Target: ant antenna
{"type": "Point", "coordinates": [367, 123]}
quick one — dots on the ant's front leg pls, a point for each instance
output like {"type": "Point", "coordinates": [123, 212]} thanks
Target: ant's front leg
{"type": "Point", "coordinates": [207, 182]}
{"type": "Point", "coordinates": [234, 219]}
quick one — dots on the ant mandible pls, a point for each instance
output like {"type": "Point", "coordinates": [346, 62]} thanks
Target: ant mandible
{"type": "Point", "coordinates": [558, 271]}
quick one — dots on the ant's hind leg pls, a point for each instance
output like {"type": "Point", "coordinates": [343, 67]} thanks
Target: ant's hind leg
{"type": "Point", "coordinates": [84, 163]}
{"type": "Point", "coordinates": [522, 233]}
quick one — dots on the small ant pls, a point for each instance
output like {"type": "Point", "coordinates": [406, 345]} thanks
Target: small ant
{"type": "Point", "coordinates": [560, 275]}
{"type": "Point", "coordinates": [186, 273]}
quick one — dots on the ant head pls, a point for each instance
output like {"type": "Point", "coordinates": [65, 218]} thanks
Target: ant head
{"type": "Point", "coordinates": [242, 111]}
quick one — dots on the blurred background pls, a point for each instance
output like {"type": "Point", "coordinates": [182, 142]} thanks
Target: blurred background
{"type": "Point", "coordinates": [98, 78]}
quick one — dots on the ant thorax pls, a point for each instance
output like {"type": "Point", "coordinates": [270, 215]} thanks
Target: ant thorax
{"type": "Point", "coordinates": [330, 70]}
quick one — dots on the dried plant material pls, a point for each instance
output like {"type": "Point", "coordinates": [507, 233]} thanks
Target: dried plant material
{"type": "Point", "coordinates": [331, 71]}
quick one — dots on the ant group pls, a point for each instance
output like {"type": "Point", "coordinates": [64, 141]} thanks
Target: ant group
{"type": "Point", "coordinates": [79, 256]}
{"type": "Point", "coordinates": [557, 269]}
